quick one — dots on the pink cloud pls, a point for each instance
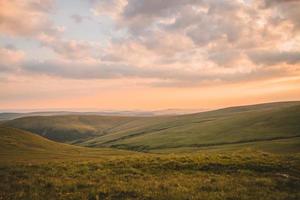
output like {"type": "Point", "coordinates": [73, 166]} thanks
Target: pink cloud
{"type": "Point", "coordinates": [25, 17]}
{"type": "Point", "coordinates": [10, 59]}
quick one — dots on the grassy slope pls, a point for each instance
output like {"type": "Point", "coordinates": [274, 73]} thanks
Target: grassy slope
{"type": "Point", "coordinates": [18, 145]}
{"type": "Point", "coordinates": [278, 146]}
{"type": "Point", "coordinates": [80, 127]}
{"type": "Point", "coordinates": [225, 126]}
{"type": "Point", "coordinates": [221, 127]}
{"type": "Point", "coordinates": [66, 128]}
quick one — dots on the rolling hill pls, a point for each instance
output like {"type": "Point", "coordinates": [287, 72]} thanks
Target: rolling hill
{"type": "Point", "coordinates": [72, 127]}
{"type": "Point", "coordinates": [18, 145]}
{"type": "Point", "coordinates": [229, 126]}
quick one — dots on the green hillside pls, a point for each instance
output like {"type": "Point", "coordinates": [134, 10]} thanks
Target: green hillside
{"type": "Point", "coordinates": [18, 145]}
{"type": "Point", "coordinates": [66, 128]}
{"type": "Point", "coordinates": [264, 122]}
{"type": "Point", "coordinates": [73, 127]}
{"type": "Point", "coordinates": [229, 126]}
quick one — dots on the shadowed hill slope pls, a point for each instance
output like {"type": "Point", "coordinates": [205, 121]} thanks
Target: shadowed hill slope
{"type": "Point", "coordinates": [68, 127]}
{"type": "Point", "coordinates": [73, 127]}
{"type": "Point", "coordinates": [22, 145]}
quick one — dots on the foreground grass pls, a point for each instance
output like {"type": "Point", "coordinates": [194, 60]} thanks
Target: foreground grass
{"type": "Point", "coordinates": [239, 175]}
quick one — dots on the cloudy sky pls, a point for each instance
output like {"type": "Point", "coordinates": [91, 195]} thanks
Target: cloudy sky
{"type": "Point", "coordinates": [148, 54]}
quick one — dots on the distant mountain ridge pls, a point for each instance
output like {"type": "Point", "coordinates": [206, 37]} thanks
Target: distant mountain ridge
{"type": "Point", "coordinates": [14, 115]}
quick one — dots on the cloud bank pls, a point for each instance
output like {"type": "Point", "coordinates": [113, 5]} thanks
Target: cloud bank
{"type": "Point", "coordinates": [175, 42]}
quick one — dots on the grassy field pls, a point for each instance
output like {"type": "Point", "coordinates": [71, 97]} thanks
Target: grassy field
{"type": "Point", "coordinates": [237, 153]}
{"type": "Point", "coordinates": [239, 175]}
{"type": "Point", "coordinates": [32, 167]}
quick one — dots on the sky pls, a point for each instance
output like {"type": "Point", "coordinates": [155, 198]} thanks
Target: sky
{"type": "Point", "coordinates": [148, 54]}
